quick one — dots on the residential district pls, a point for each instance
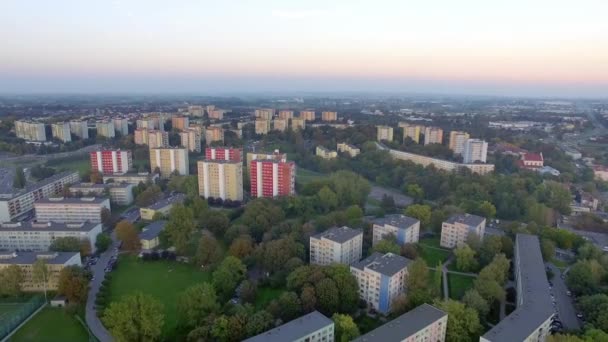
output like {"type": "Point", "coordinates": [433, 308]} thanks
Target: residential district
{"type": "Point", "coordinates": [303, 219]}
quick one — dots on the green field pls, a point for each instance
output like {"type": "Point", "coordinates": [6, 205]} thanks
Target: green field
{"type": "Point", "coordinates": [459, 284]}
{"type": "Point", "coordinates": [163, 280]}
{"type": "Point", "coordinates": [304, 176]}
{"type": "Point", "coordinates": [81, 165]}
{"type": "Point", "coordinates": [265, 295]}
{"type": "Point", "coordinates": [7, 309]}
{"type": "Point", "coordinates": [51, 325]}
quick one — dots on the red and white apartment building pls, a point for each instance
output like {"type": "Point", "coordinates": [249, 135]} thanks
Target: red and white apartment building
{"type": "Point", "coordinates": [223, 153]}
{"type": "Point", "coordinates": [111, 161]}
{"type": "Point", "coordinates": [272, 176]}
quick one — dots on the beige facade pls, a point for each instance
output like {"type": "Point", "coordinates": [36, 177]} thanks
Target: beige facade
{"type": "Point", "coordinates": [55, 262]}
{"type": "Point", "coordinates": [79, 128]}
{"type": "Point", "coordinates": [216, 114]}
{"type": "Point", "coordinates": [262, 126]}
{"type": "Point", "coordinates": [298, 124]}
{"type": "Point", "coordinates": [384, 133]}
{"type": "Point", "coordinates": [353, 151]}
{"type": "Point", "coordinates": [457, 141]}
{"type": "Point", "coordinates": [191, 139]}
{"type": "Point", "coordinates": [61, 131]}
{"type": "Point", "coordinates": [121, 125]}
{"type": "Point", "coordinates": [441, 164]}
{"type": "Point", "coordinates": [286, 114]}
{"type": "Point", "coordinates": [411, 131]}
{"type": "Point", "coordinates": [433, 135]}
{"type": "Point", "coordinates": [29, 130]}
{"type": "Point", "coordinates": [152, 138]}
{"type": "Point", "coordinates": [325, 153]}
{"type": "Point", "coordinates": [120, 193]}
{"type": "Point", "coordinates": [161, 207]}
{"type": "Point", "coordinates": [308, 115]}
{"type": "Point", "coordinates": [105, 128]}
{"type": "Point", "coordinates": [61, 209]}
{"type": "Point", "coordinates": [280, 124]}
{"type": "Point", "coordinates": [342, 245]}
{"type": "Point", "coordinates": [264, 113]}
{"type": "Point", "coordinates": [213, 133]}
{"type": "Point", "coordinates": [329, 116]}
{"type": "Point", "coordinates": [169, 160]}
{"type": "Point", "coordinates": [180, 122]}
{"type": "Point", "coordinates": [455, 231]}
{"type": "Point", "coordinates": [220, 179]}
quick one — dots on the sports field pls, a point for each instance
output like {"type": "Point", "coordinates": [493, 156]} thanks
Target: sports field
{"type": "Point", "coordinates": [7, 309]}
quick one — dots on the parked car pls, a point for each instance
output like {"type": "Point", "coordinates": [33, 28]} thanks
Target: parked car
{"type": "Point", "coordinates": [568, 293]}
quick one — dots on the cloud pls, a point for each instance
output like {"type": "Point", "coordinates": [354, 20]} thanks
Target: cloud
{"type": "Point", "coordinates": [297, 14]}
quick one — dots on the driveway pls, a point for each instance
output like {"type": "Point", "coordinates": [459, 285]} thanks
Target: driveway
{"type": "Point", "coordinates": [564, 305]}
{"type": "Point", "coordinates": [93, 321]}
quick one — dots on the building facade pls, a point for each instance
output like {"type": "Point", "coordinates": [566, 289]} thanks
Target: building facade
{"type": "Point", "coordinates": [411, 131]}
{"type": "Point", "coordinates": [384, 133]}
{"type": "Point", "coordinates": [121, 126]}
{"type": "Point", "coordinates": [456, 229]}
{"type": "Point", "coordinates": [79, 128]}
{"type": "Point", "coordinates": [180, 122]}
{"type": "Point", "coordinates": [61, 131]}
{"type": "Point", "coordinates": [223, 153]}
{"type": "Point", "coordinates": [69, 210]}
{"type": "Point", "coordinates": [312, 327]}
{"type": "Point", "coordinates": [119, 193]}
{"type": "Point", "coordinates": [29, 130]}
{"type": "Point", "coordinates": [105, 129]}
{"type": "Point", "coordinates": [262, 126]}
{"type": "Point", "coordinates": [458, 140]}
{"type": "Point", "coordinates": [286, 114]}
{"type": "Point", "coordinates": [111, 161]}
{"type": "Point", "coordinates": [441, 164]}
{"type": "Point", "coordinates": [404, 228]}
{"type": "Point", "coordinates": [298, 124]}
{"type": "Point", "coordinates": [220, 179]}
{"type": "Point", "coordinates": [325, 153]}
{"type": "Point", "coordinates": [433, 135]}
{"type": "Point", "coordinates": [272, 177]}
{"type": "Point", "coordinates": [55, 262]}
{"type": "Point", "coordinates": [191, 139]}
{"type": "Point", "coordinates": [213, 134]}
{"type": "Point", "coordinates": [38, 236]}
{"type": "Point", "coordinates": [475, 151]}
{"type": "Point", "coordinates": [149, 236]}
{"type": "Point", "coordinates": [341, 245]}
{"type": "Point", "coordinates": [130, 177]}
{"type": "Point", "coordinates": [280, 124]}
{"type": "Point", "coordinates": [169, 160]}
{"type": "Point", "coordinates": [352, 150]}
{"type": "Point", "coordinates": [161, 207]}
{"type": "Point", "coordinates": [264, 113]}
{"type": "Point", "coordinates": [329, 116]}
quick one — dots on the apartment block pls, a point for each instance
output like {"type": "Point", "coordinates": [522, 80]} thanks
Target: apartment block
{"type": "Point", "coordinates": [325, 153]}
{"type": "Point", "coordinates": [433, 135]}
{"type": "Point", "coordinates": [55, 261]}
{"type": "Point", "coordinates": [191, 139]}
{"type": "Point", "coordinates": [272, 177]}
{"type": "Point", "coordinates": [286, 114]}
{"type": "Point", "coordinates": [440, 164]}
{"type": "Point", "coordinates": [119, 193]}
{"type": "Point", "coordinates": [61, 131]}
{"type": "Point", "coordinates": [312, 327]}
{"type": "Point", "coordinates": [411, 131]}
{"type": "Point", "coordinates": [17, 205]}
{"type": "Point", "coordinates": [329, 116]}
{"type": "Point", "coordinates": [105, 129]}
{"type": "Point", "coordinates": [342, 245]}
{"type": "Point", "coordinates": [29, 130]}
{"type": "Point", "coordinates": [152, 138]}
{"type": "Point", "coordinates": [262, 126]}
{"type": "Point", "coordinates": [169, 160]}
{"type": "Point", "coordinates": [475, 151]}
{"type": "Point", "coordinates": [220, 179]}
{"type": "Point", "coordinates": [456, 229]}
{"type": "Point", "coordinates": [213, 134]}
{"type": "Point", "coordinates": [79, 128]}
{"type": "Point", "coordinates": [223, 153]}
{"type": "Point", "coordinates": [381, 278]}
{"type": "Point", "coordinates": [264, 113]}
{"type": "Point", "coordinates": [121, 126]}
{"type": "Point", "coordinates": [38, 236]}
{"type": "Point", "coordinates": [384, 133]}
{"type": "Point", "coordinates": [68, 210]}
{"type": "Point", "coordinates": [147, 123]}
{"type": "Point", "coordinates": [180, 122]}
{"type": "Point", "coordinates": [216, 114]}
{"type": "Point", "coordinates": [404, 228]}
{"type": "Point", "coordinates": [276, 155]}
{"type": "Point", "coordinates": [149, 236]}
{"type": "Point", "coordinates": [161, 207]}
{"type": "Point", "coordinates": [425, 323]}
{"type": "Point", "coordinates": [308, 115]}
{"type": "Point", "coordinates": [197, 110]}
{"type": "Point", "coordinates": [531, 320]}
{"type": "Point", "coordinates": [130, 177]}
{"type": "Point", "coordinates": [111, 161]}
{"type": "Point", "coordinates": [298, 124]}
{"type": "Point", "coordinates": [280, 124]}
{"type": "Point", "coordinates": [458, 140]}
{"type": "Point", "coordinates": [352, 150]}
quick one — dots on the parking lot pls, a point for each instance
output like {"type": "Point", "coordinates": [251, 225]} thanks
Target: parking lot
{"type": "Point", "coordinates": [562, 302]}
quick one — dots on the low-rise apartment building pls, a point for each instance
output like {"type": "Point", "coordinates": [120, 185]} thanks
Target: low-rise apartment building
{"type": "Point", "coordinates": [404, 228]}
{"type": "Point", "coordinates": [381, 278]}
{"type": "Point", "coordinates": [456, 229]}
{"type": "Point", "coordinates": [162, 207]}
{"type": "Point", "coordinates": [148, 238]}
{"type": "Point", "coordinates": [352, 150]}
{"type": "Point", "coordinates": [119, 193]}
{"type": "Point", "coordinates": [342, 245]}
{"type": "Point", "coordinates": [55, 262]}
{"type": "Point", "coordinates": [62, 209]}
{"type": "Point", "coordinates": [325, 153]}
{"type": "Point", "coordinates": [425, 323]}
{"type": "Point", "coordinates": [130, 177]}
{"type": "Point", "coordinates": [38, 236]}
{"type": "Point", "coordinates": [312, 327]}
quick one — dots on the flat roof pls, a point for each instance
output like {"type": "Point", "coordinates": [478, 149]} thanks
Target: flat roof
{"type": "Point", "coordinates": [28, 258]}
{"type": "Point", "coordinates": [178, 198]}
{"type": "Point", "coordinates": [396, 220]}
{"type": "Point", "coordinates": [339, 234]}
{"type": "Point", "coordinates": [468, 219]}
{"type": "Point", "coordinates": [387, 264]}
{"type": "Point", "coordinates": [99, 186]}
{"type": "Point", "coordinates": [40, 184]}
{"type": "Point", "coordinates": [71, 200]}
{"type": "Point", "coordinates": [294, 330]}
{"type": "Point", "coordinates": [47, 226]}
{"type": "Point", "coordinates": [405, 325]}
{"type": "Point", "coordinates": [152, 230]}
{"type": "Point", "coordinates": [537, 306]}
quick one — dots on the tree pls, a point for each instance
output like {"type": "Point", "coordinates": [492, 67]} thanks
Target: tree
{"type": "Point", "coordinates": [487, 210]}
{"type": "Point", "coordinates": [126, 232]}
{"type": "Point", "coordinates": [386, 245]}
{"type": "Point", "coordinates": [196, 303]}
{"type": "Point", "coordinates": [581, 278]}
{"type": "Point", "coordinates": [149, 196]}
{"type": "Point", "coordinates": [350, 188]}
{"type": "Point", "coordinates": [180, 227]}
{"type": "Point", "coordinates": [421, 212]}
{"type": "Point", "coordinates": [106, 217]}
{"type": "Point", "coordinates": [96, 177]}
{"type": "Point", "coordinates": [547, 248]}
{"type": "Point", "coordinates": [19, 179]}
{"type": "Point", "coordinates": [328, 296]}
{"type": "Point", "coordinates": [215, 222]}
{"type": "Point", "coordinates": [248, 291]}
{"type": "Point", "coordinates": [136, 317]}
{"type": "Point", "coordinates": [85, 247]}
{"type": "Point", "coordinates": [409, 250]}
{"type": "Point", "coordinates": [241, 247]}
{"type": "Point", "coordinates": [308, 298]}
{"type": "Point", "coordinates": [103, 242]}
{"type": "Point", "coordinates": [209, 252]}
{"type": "Point", "coordinates": [11, 279]}
{"type": "Point", "coordinates": [289, 305]}
{"type": "Point", "coordinates": [273, 255]}
{"type": "Point", "coordinates": [40, 274]}
{"type": "Point", "coordinates": [491, 246]}
{"type": "Point", "coordinates": [345, 328]}
{"type": "Point", "coordinates": [260, 321]}
{"type": "Point", "coordinates": [463, 322]}
{"type": "Point", "coordinates": [261, 215]}
{"type": "Point", "coordinates": [465, 258]}
{"type": "Point", "coordinates": [228, 275]}
{"type": "Point", "coordinates": [474, 300]}
{"type": "Point", "coordinates": [418, 275]}
{"type": "Point", "coordinates": [65, 244]}
{"type": "Point", "coordinates": [415, 192]}
{"type": "Point", "coordinates": [388, 204]}
{"type": "Point", "coordinates": [327, 199]}
{"type": "Point", "coordinates": [564, 338]}
{"type": "Point", "coordinates": [73, 284]}
{"type": "Point", "coordinates": [595, 308]}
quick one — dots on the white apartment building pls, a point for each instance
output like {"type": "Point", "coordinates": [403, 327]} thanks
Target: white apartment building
{"type": "Point", "coordinates": [38, 236]}
{"type": "Point", "coordinates": [105, 129]}
{"type": "Point", "coordinates": [312, 327]}
{"type": "Point", "coordinates": [19, 204]}
{"type": "Point", "coordinates": [342, 245]}
{"type": "Point", "coordinates": [61, 131]}
{"type": "Point", "coordinates": [120, 193]}
{"type": "Point", "coordinates": [475, 151]}
{"type": "Point", "coordinates": [29, 130]}
{"type": "Point", "coordinates": [404, 228]}
{"type": "Point", "coordinates": [456, 229]}
{"type": "Point", "coordinates": [61, 209]}
{"type": "Point", "coordinates": [121, 125]}
{"type": "Point", "coordinates": [381, 278]}
{"type": "Point", "coordinates": [458, 141]}
{"type": "Point", "coordinates": [191, 139]}
{"type": "Point", "coordinates": [384, 133]}
{"type": "Point", "coordinates": [55, 262]}
{"type": "Point", "coordinates": [80, 128]}
{"type": "Point", "coordinates": [130, 177]}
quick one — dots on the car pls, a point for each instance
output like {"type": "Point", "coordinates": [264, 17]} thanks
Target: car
{"type": "Point", "coordinates": [579, 315]}
{"type": "Point", "coordinates": [568, 293]}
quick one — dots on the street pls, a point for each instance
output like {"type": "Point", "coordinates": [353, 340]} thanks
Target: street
{"type": "Point", "coordinates": [564, 305]}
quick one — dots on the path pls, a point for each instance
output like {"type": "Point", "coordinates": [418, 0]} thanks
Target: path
{"type": "Point", "coordinates": [564, 305]}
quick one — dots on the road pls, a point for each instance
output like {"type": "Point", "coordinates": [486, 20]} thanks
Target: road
{"type": "Point", "coordinates": [38, 158]}
{"type": "Point", "coordinates": [564, 305]}
{"type": "Point", "coordinates": [93, 321]}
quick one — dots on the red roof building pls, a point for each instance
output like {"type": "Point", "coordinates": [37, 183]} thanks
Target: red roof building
{"type": "Point", "coordinates": [532, 160]}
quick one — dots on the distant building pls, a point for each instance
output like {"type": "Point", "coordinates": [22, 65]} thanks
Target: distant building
{"type": "Point", "coordinates": [191, 139]}
{"type": "Point", "coordinates": [220, 179]}
{"type": "Point", "coordinates": [55, 261]}
{"type": "Point", "coordinates": [329, 116]}
{"type": "Point", "coordinates": [105, 129]}
{"type": "Point", "coordinates": [272, 177]}
{"type": "Point", "coordinates": [404, 228]}
{"type": "Point", "coordinates": [433, 135]}
{"type": "Point", "coordinates": [352, 150]}
{"type": "Point", "coordinates": [224, 153]}
{"type": "Point", "coordinates": [325, 153]}
{"type": "Point", "coordinates": [548, 170]}
{"type": "Point", "coordinates": [574, 154]}
{"type": "Point", "coordinates": [440, 164]}
{"type": "Point", "coordinates": [312, 327]}
{"type": "Point", "coordinates": [286, 114]}
{"type": "Point", "coordinates": [169, 160]}
{"type": "Point", "coordinates": [384, 133]}
{"type": "Point", "coordinates": [119, 193]}
{"type": "Point", "coordinates": [196, 110]}
{"type": "Point", "coordinates": [264, 113]}
{"type": "Point", "coordinates": [216, 114]}
{"type": "Point", "coordinates": [148, 237]}
{"type": "Point", "coordinates": [262, 126]}
{"type": "Point", "coordinates": [600, 172]}
{"type": "Point", "coordinates": [425, 323]}
{"type": "Point", "coordinates": [276, 155]}
{"type": "Point", "coordinates": [148, 123]}
{"type": "Point", "coordinates": [130, 177]}
{"type": "Point", "coordinates": [475, 151]}
{"type": "Point", "coordinates": [79, 128]}
{"type": "Point", "coordinates": [381, 278]}
{"type": "Point", "coordinates": [298, 124]}
{"type": "Point", "coordinates": [111, 161]}
{"type": "Point", "coordinates": [121, 125]}
{"type": "Point", "coordinates": [157, 139]}
{"type": "Point", "coordinates": [61, 131]}
{"type": "Point", "coordinates": [62, 209]}
{"type": "Point", "coordinates": [213, 134]}
{"type": "Point", "coordinates": [29, 130]}
{"type": "Point", "coordinates": [532, 160]}
{"type": "Point", "coordinates": [308, 115]}
{"type": "Point", "coordinates": [456, 229]}
{"type": "Point", "coordinates": [411, 131]}
{"type": "Point", "coordinates": [180, 122]}
{"type": "Point", "coordinates": [342, 245]}
{"type": "Point", "coordinates": [38, 236]}
{"type": "Point", "coordinates": [162, 207]}
{"type": "Point", "coordinates": [458, 141]}
{"type": "Point", "coordinates": [280, 124]}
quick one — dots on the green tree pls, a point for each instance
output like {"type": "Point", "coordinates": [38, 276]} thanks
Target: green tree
{"type": "Point", "coordinates": [491, 246]}
{"type": "Point", "coordinates": [241, 247]}
{"type": "Point", "coordinates": [216, 222]}
{"type": "Point", "coordinates": [260, 321]}
{"type": "Point", "coordinates": [415, 192]}
{"type": "Point", "coordinates": [103, 242]}
{"type": "Point", "coordinates": [260, 215]}
{"type": "Point", "coordinates": [308, 298]}
{"type": "Point", "coordinates": [73, 284]}
{"type": "Point", "coordinates": [421, 212]}
{"type": "Point", "coordinates": [327, 199]}
{"type": "Point", "coordinates": [196, 303]}
{"type": "Point", "coordinates": [149, 196]}
{"type": "Point", "coordinates": [180, 227]}
{"type": "Point", "coordinates": [387, 245]}
{"type": "Point", "coordinates": [290, 306]}
{"type": "Point", "coordinates": [350, 188]}
{"type": "Point", "coordinates": [19, 179]}
{"type": "Point", "coordinates": [345, 328]}
{"type": "Point", "coordinates": [487, 210]}
{"type": "Point", "coordinates": [547, 247]}
{"type": "Point", "coordinates": [126, 232]}
{"type": "Point", "coordinates": [273, 255]}
{"type": "Point", "coordinates": [209, 252]}
{"type": "Point", "coordinates": [465, 258]}
{"type": "Point", "coordinates": [595, 308]}
{"type": "Point", "coordinates": [564, 338]}
{"type": "Point", "coordinates": [463, 322]}
{"type": "Point", "coordinates": [65, 244]}
{"type": "Point", "coordinates": [40, 274]}
{"type": "Point", "coordinates": [228, 275]}
{"type": "Point", "coordinates": [11, 279]}
{"type": "Point", "coordinates": [474, 300]}
{"type": "Point", "coordinates": [136, 317]}
{"type": "Point", "coordinates": [328, 296]}
{"type": "Point", "coordinates": [584, 277]}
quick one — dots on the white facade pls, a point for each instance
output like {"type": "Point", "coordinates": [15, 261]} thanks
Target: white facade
{"type": "Point", "coordinates": [405, 229]}
{"type": "Point", "coordinates": [121, 125]}
{"type": "Point", "coordinates": [28, 130]}
{"type": "Point", "coordinates": [105, 129]}
{"type": "Point", "coordinates": [61, 131]}
{"type": "Point", "coordinates": [456, 229]}
{"type": "Point", "coordinates": [191, 139]}
{"type": "Point", "coordinates": [475, 151]}
{"type": "Point", "coordinates": [38, 236]}
{"type": "Point", "coordinates": [60, 209]}
{"type": "Point", "coordinates": [120, 193]}
{"type": "Point", "coordinates": [79, 129]}
{"type": "Point", "coordinates": [341, 245]}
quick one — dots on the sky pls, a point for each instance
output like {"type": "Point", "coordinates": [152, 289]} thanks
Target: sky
{"type": "Point", "coordinates": [486, 47]}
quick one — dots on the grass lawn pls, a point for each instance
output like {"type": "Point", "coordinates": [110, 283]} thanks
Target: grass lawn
{"type": "Point", "coordinates": [50, 325]}
{"type": "Point", "coordinates": [560, 264]}
{"type": "Point", "coordinates": [304, 176]}
{"type": "Point", "coordinates": [431, 241]}
{"type": "Point", "coordinates": [81, 165]}
{"type": "Point", "coordinates": [7, 309]}
{"type": "Point", "coordinates": [433, 256]}
{"type": "Point", "coordinates": [459, 284]}
{"type": "Point", "coordinates": [163, 280]}
{"type": "Point", "coordinates": [265, 295]}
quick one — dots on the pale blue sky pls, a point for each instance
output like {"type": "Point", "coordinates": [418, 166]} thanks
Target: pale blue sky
{"type": "Point", "coordinates": [466, 46]}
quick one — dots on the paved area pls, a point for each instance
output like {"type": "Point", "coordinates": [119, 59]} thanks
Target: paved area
{"type": "Point", "coordinates": [92, 320]}
{"type": "Point", "coordinates": [400, 199]}
{"type": "Point", "coordinates": [564, 305]}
